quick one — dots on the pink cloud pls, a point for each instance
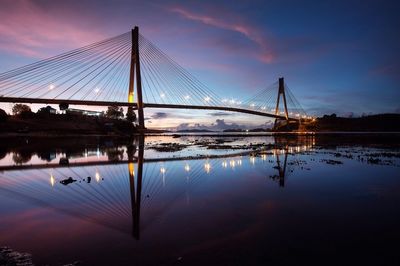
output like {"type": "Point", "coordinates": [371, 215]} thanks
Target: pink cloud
{"type": "Point", "coordinates": [30, 30]}
{"type": "Point", "coordinates": [264, 54]}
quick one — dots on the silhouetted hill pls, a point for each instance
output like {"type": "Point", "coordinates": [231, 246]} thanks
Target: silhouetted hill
{"type": "Point", "coordinates": [372, 123]}
{"type": "Point", "coordinates": [194, 130]}
{"type": "Point", "coordinates": [248, 130]}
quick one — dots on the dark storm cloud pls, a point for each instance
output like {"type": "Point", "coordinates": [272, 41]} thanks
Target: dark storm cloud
{"type": "Point", "coordinates": [221, 114]}
{"type": "Point", "coordinates": [160, 115]}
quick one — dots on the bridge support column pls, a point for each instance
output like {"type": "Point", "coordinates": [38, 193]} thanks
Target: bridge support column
{"type": "Point", "coordinates": [136, 194]}
{"type": "Point", "coordinates": [281, 91]}
{"type": "Point", "coordinates": [135, 69]}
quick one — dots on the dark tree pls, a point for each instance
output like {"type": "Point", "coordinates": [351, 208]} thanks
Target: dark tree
{"type": "Point", "coordinates": [130, 151]}
{"type": "Point", "coordinates": [46, 110]}
{"type": "Point", "coordinates": [20, 108]}
{"type": "Point", "coordinates": [3, 116]}
{"type": "Point", "coordinates": [21, 157]}
{"type": "Point", "coordinates": [115, 154]}
{"type": "Point", "coordinates": [115, 112]}
{"type": "Point", "coordinates": [130, 115]}
{"type": "Point", "coordinates": [63, 106]}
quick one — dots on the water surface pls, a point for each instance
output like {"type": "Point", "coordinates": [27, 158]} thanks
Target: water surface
{"type": "Point", "coordinates": [256, 200]}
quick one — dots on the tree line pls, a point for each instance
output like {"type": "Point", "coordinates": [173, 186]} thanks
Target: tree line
{"type": "Point", "coordinates": [113, 112]}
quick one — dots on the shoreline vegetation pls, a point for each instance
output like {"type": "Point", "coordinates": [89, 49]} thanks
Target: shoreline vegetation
{"type": "Point", "coordinates": [47, 124]}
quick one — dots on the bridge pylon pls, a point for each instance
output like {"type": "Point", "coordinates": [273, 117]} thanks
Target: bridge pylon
{"type": "Point", "coordinates": [281, 92]}
{"type": "Point", "coordinates": [136, 190]}
{"type": "Point", "coordinates": [135, 70]}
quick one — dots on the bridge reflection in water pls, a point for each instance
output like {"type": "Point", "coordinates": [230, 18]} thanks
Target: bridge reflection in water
{"type": "Point", "coordinates": [130, 196]}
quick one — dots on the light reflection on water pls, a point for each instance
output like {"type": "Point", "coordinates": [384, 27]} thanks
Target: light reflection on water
{"type": "Point", "coordinates": [106, 188]}
{"type": "Point", "coordinates": [156, 210]}
{"type": "Point", "coordinates": [56, 152]}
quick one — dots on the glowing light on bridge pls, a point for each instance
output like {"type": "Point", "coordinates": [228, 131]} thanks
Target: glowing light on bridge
{"type": "Point", "coordinates": [96, 90]}
{"type": "Point", "coordinates": [252, 105]}
{"type": "Point", "coordinates": [187, 97]}
{"type": "Point", "coordinates": [207, 99]}
{"type": "Point", "coordinates": [51, 86]}
{"type": "Point", "coordinates": [162, 95]}
{"type": "Point", "coordinates": [130, 97]}
{"type": "Point", "coordinates": [263, 108]}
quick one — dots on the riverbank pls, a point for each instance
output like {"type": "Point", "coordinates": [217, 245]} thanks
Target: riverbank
{"type": "Point", "coordinates": [56, 125]}
{"type": "Point", "coordinates": [67, 125]}
{"type": "Point", "coordinates": [371, 123]}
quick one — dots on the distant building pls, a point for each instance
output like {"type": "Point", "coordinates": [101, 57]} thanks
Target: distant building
{"type": "Point", "coordinates": [47, 110]}
{"type": "Point", "coordinates": [84, 112]}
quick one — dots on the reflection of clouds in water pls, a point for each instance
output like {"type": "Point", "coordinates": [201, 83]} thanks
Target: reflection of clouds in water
{"type": "Point", "coordinates": [109, 203]}
{"type": "Point", "coordinates": [108, 200]}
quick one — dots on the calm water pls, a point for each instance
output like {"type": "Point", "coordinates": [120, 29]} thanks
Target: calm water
{"type": "Point", "coordinates": [258, 200]}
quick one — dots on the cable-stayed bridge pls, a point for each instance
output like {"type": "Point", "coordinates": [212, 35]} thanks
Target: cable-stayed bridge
{"type": "Point", "coordinates": [129, 70]}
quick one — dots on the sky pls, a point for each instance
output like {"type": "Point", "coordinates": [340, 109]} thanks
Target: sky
{"type": "Point", "coordinates": [336, 56]}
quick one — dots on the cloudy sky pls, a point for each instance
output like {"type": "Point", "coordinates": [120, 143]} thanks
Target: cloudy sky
{"type": "Point", "coordinates": [336, 56]}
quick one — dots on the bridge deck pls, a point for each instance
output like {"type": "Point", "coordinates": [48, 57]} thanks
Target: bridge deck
{"type": "Point", "coordinates": [146, 105]}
